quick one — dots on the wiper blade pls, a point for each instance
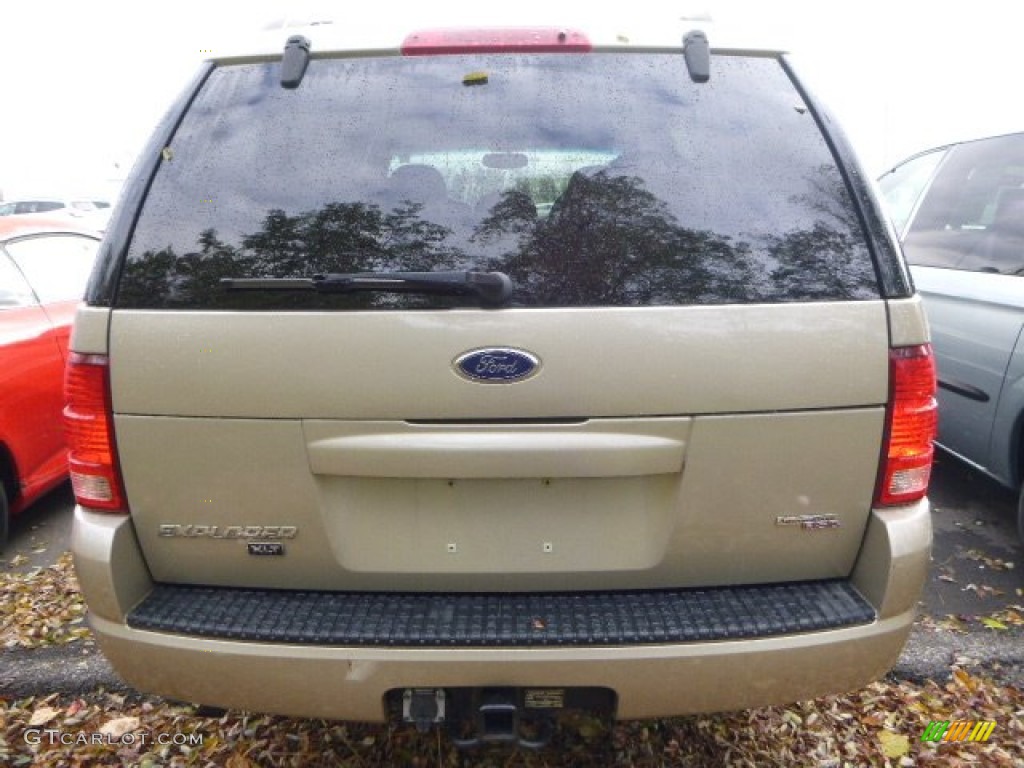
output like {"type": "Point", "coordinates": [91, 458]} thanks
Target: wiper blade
{"type": "Point", "coordinates": [494, 289]}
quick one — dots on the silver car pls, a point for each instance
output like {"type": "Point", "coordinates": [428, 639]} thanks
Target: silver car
{"type": "Point", "coordinates": [959, 210]}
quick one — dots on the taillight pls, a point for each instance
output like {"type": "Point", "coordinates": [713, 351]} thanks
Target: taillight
{"type": "Point", "coordinates": [910, 427]}
{"type": "Point", "coordinates": [495, 40]}
{"type": "Point", "coordinates": [89, 428]}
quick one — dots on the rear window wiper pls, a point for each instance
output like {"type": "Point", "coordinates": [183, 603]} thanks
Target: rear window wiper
{"type": "Point", "coordinates": [494, 289]}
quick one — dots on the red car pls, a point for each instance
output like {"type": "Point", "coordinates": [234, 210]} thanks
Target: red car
{"type": "Point", "coordinates": [44, 266]}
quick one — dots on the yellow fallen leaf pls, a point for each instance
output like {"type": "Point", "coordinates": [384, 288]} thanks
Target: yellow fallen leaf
{"type": "Point", "coordinates": [993, 623]}
{"type": "Point", "coordinates": [964, 678]}
{"type": "Point", "coordinates": [894, 744]}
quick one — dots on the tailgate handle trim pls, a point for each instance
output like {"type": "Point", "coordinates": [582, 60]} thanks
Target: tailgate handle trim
{"type": "Point", "coordinates": [484, 454]}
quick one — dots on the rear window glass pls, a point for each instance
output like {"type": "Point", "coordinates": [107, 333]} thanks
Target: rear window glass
{"type": "Point", "coordinates": [56, 266]}
{"type": "Point", "coordinates": [902, 186]}
{"type": "Point", "coordinates": [590, 180]}
{"type": "Point", "coordinates": [14, 291]}
{"type": "Point", "coordinates": [38, 206]}
{"type": "Point", "coordinates": [972, 217]}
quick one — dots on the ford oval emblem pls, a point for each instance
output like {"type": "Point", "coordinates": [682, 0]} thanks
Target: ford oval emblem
{"type": "Point", "coordinates": [496, 365]}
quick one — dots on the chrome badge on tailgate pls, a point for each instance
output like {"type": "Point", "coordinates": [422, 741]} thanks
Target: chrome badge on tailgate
{"type": "Point", "coordinates": [258, 532]}
{"type": "Point", "coordinates": [496, 365]}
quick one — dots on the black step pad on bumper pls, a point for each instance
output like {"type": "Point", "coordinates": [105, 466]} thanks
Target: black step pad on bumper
{"type": "Point", "coordinates": [518, 619]}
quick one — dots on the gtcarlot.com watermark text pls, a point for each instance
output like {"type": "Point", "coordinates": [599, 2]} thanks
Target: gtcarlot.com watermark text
{"type": "Point", "coordinates": [53, 737]}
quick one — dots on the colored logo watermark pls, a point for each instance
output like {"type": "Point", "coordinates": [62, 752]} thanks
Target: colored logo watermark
{"type": "Point", "coordinates": [958, 730]}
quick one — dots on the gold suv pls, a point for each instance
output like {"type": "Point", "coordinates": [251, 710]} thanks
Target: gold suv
{"type": "Point", "coordinates": [475, 374]}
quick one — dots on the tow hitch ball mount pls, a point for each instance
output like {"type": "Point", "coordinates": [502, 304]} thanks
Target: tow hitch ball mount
{"type": "Point", "coordinates": [497, 719]}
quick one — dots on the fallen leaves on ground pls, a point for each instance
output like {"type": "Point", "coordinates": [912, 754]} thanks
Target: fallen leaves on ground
{"type": "Point", "coordinates": [41, 607]}
{"type": "Point", "coordinates": [948, 623]}
{"type": "Point", "coordinates": [1011, 615]}
{"type": "Point", "coordinates": [983, 590]}
{"type": "Point", "coordinates": [995, 563]}
{"type": "Point", "coordinates": [880, 725]}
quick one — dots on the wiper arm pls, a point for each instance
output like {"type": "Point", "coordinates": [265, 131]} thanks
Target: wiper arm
{"type": "Point", "coordinates": [494, 289]}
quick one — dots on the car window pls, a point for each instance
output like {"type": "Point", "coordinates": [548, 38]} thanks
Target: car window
{"type": "Point", "coordinates": [37, 206]}
{"type": "Point", "coordinates": [14, 289]}
{"type": "Point", "coordinates": [595, 180]}
{"type": "Point", "coordinates": [903, 185]}
{"type": "Point", "coordinates": [972, 217]}
{"type": "Point", "coordinates": [57, 266]}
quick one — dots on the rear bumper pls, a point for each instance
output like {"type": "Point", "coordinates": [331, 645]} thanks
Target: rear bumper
{"type": "Point", "coordinates": [650, 680]}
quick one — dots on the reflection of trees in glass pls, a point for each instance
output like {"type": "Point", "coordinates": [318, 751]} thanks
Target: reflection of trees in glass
{"type": "Point", "coordinates": [543, 189]}
{"type": "Point", "coordinates": [823, 262]}
{"type": "Point", "coordinates": [340, 237]}
{"type": "Point", "coordinates": [607, 241]}
{"type": "Point", "coordinates": [829, 199]}
{"type": "Point", "coordinates": [148, 279]}
{"type": "Point", "coordinates": [829, 258]}
{"type": "Point", "coordinates": [346, 237]}
{"type": "Point", "coordinates": [513, 213]}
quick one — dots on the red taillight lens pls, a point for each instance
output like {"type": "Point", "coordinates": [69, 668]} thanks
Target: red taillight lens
{"type": "Point", "coordinates": [911, 423]}
{"type": "Point", "coordinates": [527, 39]}
{"type": "Point", "coordinates": [88, 426]}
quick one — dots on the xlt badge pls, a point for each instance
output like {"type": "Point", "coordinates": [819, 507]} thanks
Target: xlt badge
{"type": "Point", "coordinates": [265, 547]}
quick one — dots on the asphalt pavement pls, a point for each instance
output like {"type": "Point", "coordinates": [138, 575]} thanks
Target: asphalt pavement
{"type": "Point", "coordinates": [41, 533]}
{"type": "Point", "coordinates": [977, 558]}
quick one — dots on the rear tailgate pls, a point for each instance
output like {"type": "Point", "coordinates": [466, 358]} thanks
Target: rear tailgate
{"type": "Point", "coordinates": [655, 447]}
